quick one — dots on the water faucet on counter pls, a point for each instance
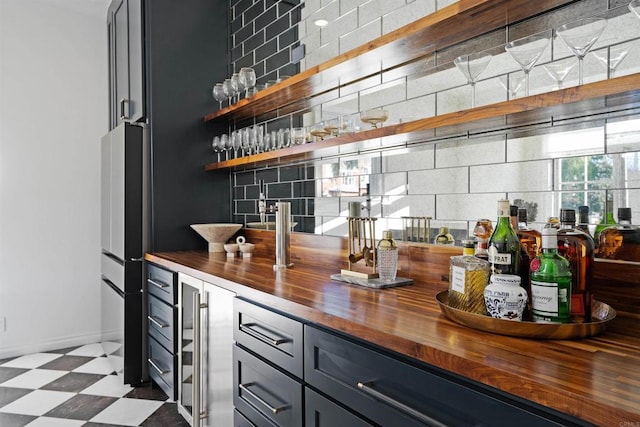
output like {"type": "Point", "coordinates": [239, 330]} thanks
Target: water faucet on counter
{"type": "Point", "coordinates": [283, 234]}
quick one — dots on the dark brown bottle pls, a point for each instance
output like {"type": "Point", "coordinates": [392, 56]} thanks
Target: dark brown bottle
{"type": "Point", "coordinates": [578, 248]}
{"type": "Point", "coordinates": [620, 242]}
{"type": "Point", "coordinates": [530, 239]}
{"type": "Point", "coordinates": [583, 219]}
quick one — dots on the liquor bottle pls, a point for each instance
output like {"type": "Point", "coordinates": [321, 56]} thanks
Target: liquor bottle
{"type": "Point", "coordinates": [443, 237]}
{"type": "Point", "coordinates": [622, 241]}
{"type": "Point", "coordinates": [468, 277]}
{"type": "Point", "coordinates": [578, 248]}
{"type": "Point", "coordinates": [387, 257]}
{"type": "Point", "coordinates": [550, 282]}
{"type": "Point", "coordinates": [504, 249]}
{"type": "Point", "coordinates": [583, 219]}
{"type": "Point", "coordinates": [482, 231]}
{"type": "Point", "coordinates": [607, 220]}
{"type": "Point", "coordinates": [530, 239]}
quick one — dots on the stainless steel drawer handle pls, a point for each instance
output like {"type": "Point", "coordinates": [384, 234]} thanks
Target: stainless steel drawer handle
{"type": "Point", "coordinates": [158, 324]}
{"type": "Point", "coordinates": [368, 388]}
{"type": "Point", "coordinates": [156, 367]}
{"type": "Point", "coordinates": [248, 328]}
{"type": "Point", "coordinates": [245, 388]}
{"type": "Point", "coordinates": [158, 284]}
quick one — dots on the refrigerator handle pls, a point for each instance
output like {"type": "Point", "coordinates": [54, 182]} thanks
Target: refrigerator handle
{"type": "Point", "coordinates": [195, 382]}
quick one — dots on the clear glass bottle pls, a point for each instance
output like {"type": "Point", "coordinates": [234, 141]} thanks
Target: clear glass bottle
{"type": "Point", "coordinates": [606, 221]}
{"type": "Point", "coordinates": [443, 237]}
{"type": "Point", "coordinates": [504, 249]}
{"type": "Point", "coordinates": [387, 257]}
{"type": "Point", "coordinates": [468, 276]}
{"type": "Point", "coordinates": [583, 220]}
{"type": "Point", "coordinates": [482, 231]}
{"type": "Point", "coordinates": [550, 275]}
{"type": "Point", "coordinates": [579, 249]}
{"type": "Point", "coordinates": [620, 242]}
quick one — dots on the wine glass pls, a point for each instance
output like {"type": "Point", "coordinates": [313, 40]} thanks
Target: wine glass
{"type": "Point", "coordinates": [612, 56]}
{"type": "Point", "coordinates": [580, 36]}
{"type": "Point", "coordinates": [559, 70]}
{"type": "Point", "coordinates": [526, 52]}
{"type": "Point", "coordinates": [246, 141]}
{"type": "Point", "coordinates": [247, 76]}
{"type": "Point", "coordinates": [472, 66]}
{"type": "Point", "coordinates": [217, 147]}
{"type": "Point", "coordinates": [229, 90]}
{"type": "Point", "coordinates": [374, 116]}
{"type": "Point", "coordinates": [235, 79]}
{"type": "Point", "coordinates": [225, 144]}
{"type": "Point", "coordinates": [634, 7]}
{"type": "Point", "coordinates": [218, 93]}
{"type": "Point", "coordinates": [235, 141]}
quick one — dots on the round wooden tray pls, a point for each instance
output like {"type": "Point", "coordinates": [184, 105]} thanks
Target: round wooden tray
{"type": "Point", "coordinates": [600, 312]}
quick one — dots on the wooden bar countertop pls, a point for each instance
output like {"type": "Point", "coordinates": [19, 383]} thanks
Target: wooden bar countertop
{"type": "Point", "coordinates": [596, 379]}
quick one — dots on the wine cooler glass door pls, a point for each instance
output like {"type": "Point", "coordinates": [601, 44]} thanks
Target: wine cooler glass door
{"type": "Point", "coordinates": [189, 294]}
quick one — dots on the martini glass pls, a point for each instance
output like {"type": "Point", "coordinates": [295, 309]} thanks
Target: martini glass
{"type": "Point", "coordinates": [526, 52]}
{"type": "Point", "coordinates": [612, 56]}
{"type": "Point", "coordinates": [580, 36]}
{"type": "Point", "coordinates": [634, 7]}
{"type": "Point", "coordinates": [512, 83]}
{"type": "Point", "coordinates": [559, 70]}
{"type": "Point", "coordinates": [472, 66]}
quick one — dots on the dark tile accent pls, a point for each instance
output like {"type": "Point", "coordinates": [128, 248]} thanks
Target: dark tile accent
{"type": "Point", "coordinates": [15, 420]}
{"type": "Point", "coordinates": [64, 350]}
{"type": "Point", "coordinates": [66, 363]}
{"type": "Point", "coordinates": [311, 206]}
{"type": "Point", "coordinates": [267, 175]}
{"type": "Point", "coordinates": [252, 192]}
{"type": "Point", "coordinates": [236, 24]}
{"type": "Point", "coordinates": [278, 60]}
{"type": "Point", "coordinates": [288, 38]}
{"type": "Point", "coordinates": [266, 50]}
{"type": "Point", "coordinates": [279, 191]}
{"type": "Point", "coordinates": [280, 123]}
{"type": "Point", "coordinates": [245, 206]}
{"type": "Point", "coordinates": [304, 189]}
{"type": "Point", "coordinates": [8, 373]}
{"type": "Point", "coordinates": [266, 18]}
{"type": "Point", "coordinates": [254, 11]}
{"type": "Point", "coordinates": [243, 34]}
{"type": "Point", "coordinates": [298, 206]}
{"type": "Point", "coordinates": [9, 394]}
{"type": "Point", "coordinates": [254, 41]}
{"type": "Point", "coordinates": [311, 171]}
{"type": "Point", "coordinates": [277, 27]}
{"type": "Point", "coordinates": [73, 382]}
{"type": "Point", "coordinates": [291, 173]}
{"type": "Point", "coordinates": [289, 70]}
{"type": "Point", "coordinates": [81, 407]}
{"type": "Point", "coordinates": [244, 178]}
{"type": "Point", "coordinates": [238, 192]}
{"type": "Point", "coordinates": [270, 76]}
{"type": "Point", "coordinates": [236, 54]}
{"type": "Point", "coordinates": [241, 6]}
{"type": "Point", "coordinates": [245, 61]}
{"type": "Point", "coordinates": [166, 415]}
{"type": "Point", "coordinates": [149, 391]}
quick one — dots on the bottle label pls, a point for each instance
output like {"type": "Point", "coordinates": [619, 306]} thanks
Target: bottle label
{"type": "Point", "coordinates": [457, 279]}
{"type": "Point", "coordinates": [499, 258]}
{"type": "Point", "coordinates": [546, 298]}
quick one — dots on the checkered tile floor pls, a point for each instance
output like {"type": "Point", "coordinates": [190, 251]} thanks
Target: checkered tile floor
{"type": "Point", "coordinates": [76, 387]}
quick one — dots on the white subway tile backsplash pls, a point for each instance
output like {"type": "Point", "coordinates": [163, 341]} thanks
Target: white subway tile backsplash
{"type": "Point", "coordinates": [311, 40]}
{"type": "Point", "coordinates": [324, 206]}
{"type": "Point", "coordinates": [399, 206]}
{"type": "Point", "coordinates": [383, 95]}
{"type": "Point", "coordinates": [559, 143]}
{"type": "Point", "coordinates": [407, 14]}
{"type": "Point", "coordinates": [434, 82]}
{"type": "Point", "coordinates": [449, 101]}
{"type": "Point", "coordinates": [439, 181]}
{"type": "Point", "coordinates": [361, 35]}
{"type": "Point", "coordinates": [375, 9]}
{"type": "Point", "coordinates": [322, 54]}
{"type": "Point", "coordinates": [622, 135]}
{"type": "Point", "coordinates": [346, 23]}
{"type": "Point", "coordinates": [412, 109]}
{"type": "Point", "coordinates": [546, 204]}
{"type": "Point", "coordinates": [465, 207]}
{"type": "Point", "coordinates": [508, 177]}
{"type": "Point", "coordinates": [407, 159]}
{"type": "Point", "coordinates": [310, 7]}
{"type": "Point", "coordinates": [390, 184]}
{"type": "Point", "coordinates": [476, 151]}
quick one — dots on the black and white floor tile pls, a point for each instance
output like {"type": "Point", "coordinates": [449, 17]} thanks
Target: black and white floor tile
{"type": "Point", "coordinates": [77, 387]}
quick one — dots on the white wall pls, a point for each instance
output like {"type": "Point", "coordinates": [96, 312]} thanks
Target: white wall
{"type": "Point", "coordinates": [53, 111]}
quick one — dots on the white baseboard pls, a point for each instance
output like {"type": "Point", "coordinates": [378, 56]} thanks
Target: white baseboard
{"type": "Point", "coordinates": [52, 344]}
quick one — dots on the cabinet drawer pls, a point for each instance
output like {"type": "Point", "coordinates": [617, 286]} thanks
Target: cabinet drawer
{"type": "Point", "coordinates": [263, 393]}
{"type": "Point", "coordinates": [161, 366]}
{"type": "Point", "coordinates": [275, 337]}
{"type": "Point", "coordinates": [161, 321]}
{"type": "Point", "coordinates": [162, 283]}
{"type": "Point", "coordinates": [395, 393]}
{"type": "Point", "coordinates": [321, 412]}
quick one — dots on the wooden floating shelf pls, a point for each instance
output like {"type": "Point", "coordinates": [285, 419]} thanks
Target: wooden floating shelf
{"type": "Point", "coordinates": [590, 99]}
{"type": "Point", "coordinates": [441, 29]}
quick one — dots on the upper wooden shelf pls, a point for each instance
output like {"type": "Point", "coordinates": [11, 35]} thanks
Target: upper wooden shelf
{"type": "Point", "coordinates": [619, 94]}
{"type": "Point", "coordinates": [446, 27]}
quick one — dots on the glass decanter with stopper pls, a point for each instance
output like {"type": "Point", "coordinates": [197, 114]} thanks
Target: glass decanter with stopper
{"type": "Point", "coordinates": [550, 275]}
{"type": "Point", "coordinates": [468, 277]}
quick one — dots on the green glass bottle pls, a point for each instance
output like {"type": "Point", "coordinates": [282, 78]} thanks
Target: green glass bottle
{"type": "Point", "coordinates": [606, 221]}
{"type": "Point", "coordinates": [550, 276]}
{"type": "Point", "coordinates": [504, 248]}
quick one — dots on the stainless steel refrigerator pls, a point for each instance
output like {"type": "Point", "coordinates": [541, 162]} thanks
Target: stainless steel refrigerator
{"type": "Point", "coordinates": [125, 237]}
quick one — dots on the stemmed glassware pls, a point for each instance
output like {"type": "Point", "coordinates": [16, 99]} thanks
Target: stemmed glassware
{"type": "Point", "coordinates": [224, 143]}
{"type": "Point", "coordinates": [374, 117]}
{"type": "Point", "coordinates": [512, 83]}
{"type": "Point", "coordinates": [612, 56]}
{"type": "Point", "coordinates": [229, 89]}
{"type": "Point", "coordinates": [217, 146]}
{"type": "Point", "coordinates": [580, 36]}
{"type": "Point", "coordinates": [559, 70]}
{"type": "Point", "coordinates": [235, 79]}
{"type": "Point", "coordinates": [472, 66]}
{"type": "Point", "coordinates": [218, 93]}
{"type": "Point", "coordinates": [526, 52]}
{"type": "Point", "coordinates": [235, 141]}
{"type": "Point", "coordinates": [247, 77]}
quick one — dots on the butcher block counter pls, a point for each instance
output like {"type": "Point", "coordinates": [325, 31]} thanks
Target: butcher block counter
{"type": "Point", "coordinates": [596, 379]}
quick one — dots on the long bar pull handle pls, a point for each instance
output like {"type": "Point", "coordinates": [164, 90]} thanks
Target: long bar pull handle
{"type": "Point", "coordinates": [248, 328]}
{"type": "Point", "coordinates": [156, 367]}
{"type": "Point", "coordinates": [245, 388]}
{"type": "Point", "coordinates": [196, 377]}
{"type": "Point", "coordinates": [155, 322]}
{"type": "Point", "coordinates": [158, 284]}
{"type": "Point", "coordinates": [367, 388]}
